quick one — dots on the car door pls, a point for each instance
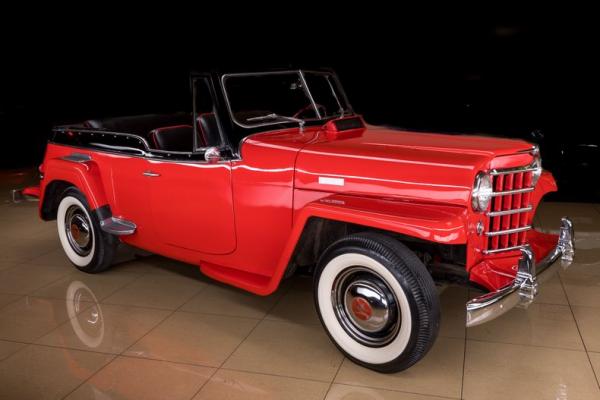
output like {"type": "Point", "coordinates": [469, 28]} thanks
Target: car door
{"type": "Point", "coordinates": [192, 202]}
{"type": "Point", "coordinates": [192, 205]}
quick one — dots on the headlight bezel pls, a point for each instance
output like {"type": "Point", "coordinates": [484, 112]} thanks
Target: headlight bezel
{"type": "Point", "coordinates": [481, 194]}
{"type": "Point", "coordinates": [538, 169]}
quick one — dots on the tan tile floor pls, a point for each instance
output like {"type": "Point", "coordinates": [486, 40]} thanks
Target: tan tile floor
{"type": "Point", "coordinates": [154, 328]}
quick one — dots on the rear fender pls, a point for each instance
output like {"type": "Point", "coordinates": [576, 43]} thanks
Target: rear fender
{"type": "Point", "coordinates": [83, 175]}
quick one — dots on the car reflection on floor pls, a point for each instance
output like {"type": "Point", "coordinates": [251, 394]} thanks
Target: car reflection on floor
{"type": "Point", "coordinates": [87, 321]}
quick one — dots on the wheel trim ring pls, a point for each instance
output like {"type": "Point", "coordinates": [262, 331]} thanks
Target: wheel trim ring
{"type": "Point", "coordinates": [370, 332]}
{"type": "Point", "coordinates": [76, 259]}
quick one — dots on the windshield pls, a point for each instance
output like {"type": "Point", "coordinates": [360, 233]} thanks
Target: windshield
{"type": "Point", "coordinates": [260, 99]}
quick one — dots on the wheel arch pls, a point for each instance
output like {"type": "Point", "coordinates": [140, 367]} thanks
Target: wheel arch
{"type": "Point", "coordinates": [440, 229]}
{"type": "Point", "coordinates": [51, 198]}
{"type": "Point", "coordinates": [61, 174]}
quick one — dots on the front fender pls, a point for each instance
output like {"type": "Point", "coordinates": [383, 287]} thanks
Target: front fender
{"type": "Point", "coordinates": [439, 223]}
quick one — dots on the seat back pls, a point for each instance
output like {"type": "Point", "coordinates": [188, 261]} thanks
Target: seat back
{"type": "Point", "coordinates": [209, 129]}
{"type": "Point", "coordinates": [174, 138]}
{"type": "Point", "coordinates": [138, 124]}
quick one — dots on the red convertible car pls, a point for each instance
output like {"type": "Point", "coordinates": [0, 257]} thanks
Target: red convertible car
{"type": "Point", "coordinates": [274, 172]}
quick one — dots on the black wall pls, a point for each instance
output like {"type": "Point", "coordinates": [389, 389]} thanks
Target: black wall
{"type": "Point", "coordinates": [501, 76]}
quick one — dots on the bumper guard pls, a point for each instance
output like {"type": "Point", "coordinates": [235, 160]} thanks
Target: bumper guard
{"type": "Point", "coordinates": [523, 290]}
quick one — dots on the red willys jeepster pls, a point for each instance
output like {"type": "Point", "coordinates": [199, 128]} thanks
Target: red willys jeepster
{"type": "Point", "coordinates": [273, 172]}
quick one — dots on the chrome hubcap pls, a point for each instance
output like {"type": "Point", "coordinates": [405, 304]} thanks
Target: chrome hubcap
{"type": "Point", "coordinates": [366, 307]}
{"type": "Point", "coordinates": [78, 229]}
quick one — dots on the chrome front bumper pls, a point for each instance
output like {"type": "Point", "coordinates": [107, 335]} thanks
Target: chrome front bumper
{"type": "Point", "coordinates": [525, 286]}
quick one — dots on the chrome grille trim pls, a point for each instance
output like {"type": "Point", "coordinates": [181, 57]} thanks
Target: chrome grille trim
{"type": "Point", "coordinates": [508, 231]}
{"type": "Point", "coordinates": [509, 212]}
{"type": "Point", "coordinates": [513, 191]}
{"type": "Point", "coordinates": [496, 172]}
{"type": "Point", "coordinates": [505, 249]}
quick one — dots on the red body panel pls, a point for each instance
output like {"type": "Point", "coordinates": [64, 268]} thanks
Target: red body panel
{"type": "Point", "coordinates": [240, 220]}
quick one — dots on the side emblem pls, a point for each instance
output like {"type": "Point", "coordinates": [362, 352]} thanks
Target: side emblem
{"type": "Point", "coordinates": [324, 180]}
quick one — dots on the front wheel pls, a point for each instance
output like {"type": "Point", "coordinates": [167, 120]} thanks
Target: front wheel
{"type": "Point", "coordinates": [377, 301]}
{"type": "Point", "coordinates": [87, 246]}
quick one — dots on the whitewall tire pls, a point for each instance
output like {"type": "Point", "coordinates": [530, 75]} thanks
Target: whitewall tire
{"type": "Point", "coordinates": [88, 247]}
{"type": "Point", "coordinates": [377, 301]}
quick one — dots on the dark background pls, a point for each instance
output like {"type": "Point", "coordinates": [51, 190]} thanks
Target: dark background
{"type": "Point", "coordinates": [506, 76]}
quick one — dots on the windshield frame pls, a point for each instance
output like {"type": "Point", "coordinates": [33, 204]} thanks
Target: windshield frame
{"type": "Point", "coordinates": [340, 96]}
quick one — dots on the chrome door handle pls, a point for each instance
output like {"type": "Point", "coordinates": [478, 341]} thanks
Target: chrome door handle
{"type": "Point", "coordinates": [150, 173]}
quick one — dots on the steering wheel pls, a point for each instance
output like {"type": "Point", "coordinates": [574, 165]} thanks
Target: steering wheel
{"type": "Point", "coordinates": [309, 107]}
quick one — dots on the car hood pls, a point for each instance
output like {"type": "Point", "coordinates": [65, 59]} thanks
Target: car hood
{"type": "Point", "coordinates": [394, 163]}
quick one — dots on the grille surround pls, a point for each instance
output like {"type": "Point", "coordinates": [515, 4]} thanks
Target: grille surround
{"type": "Point", "coordinates": [510, 213]}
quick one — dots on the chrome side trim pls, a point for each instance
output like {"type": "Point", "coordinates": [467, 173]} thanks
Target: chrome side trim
{"type": "Point", "coordinates": [121, 148]}
{"type": "Point", "coordinates": [103, 133]}
{"type": "Point", "coordinates": [117, 226]}
{"type": "Point", "coordinates": [509, 212]}
{"type": "Point", "coordinates": [514, 191]}
{"type": "Point", "coordinates": [524, 288]}
{"type": "Point", "coordinates": [508, 231]}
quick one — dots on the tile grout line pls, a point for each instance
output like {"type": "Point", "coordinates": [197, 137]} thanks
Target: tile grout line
{"type": "Point", "coordinates": [433, 396]}
{"type": "Point", "coordinates": [86, 303]}
{"type": "Point", "coordinates": [134, 343]}
{"type": "Point", "coordinates": [25, 345]}
{"type": "Point", "coordinates": [30, 294]}
{"type": "Point", "coordinates": [334, 378]}
{"type": "Point", "coordinates": [579, 331]}
{"type": "Point", "coordinates": [462, 380]}
{"type": "Point", "coordinates": [52, 346]}
{"type": "Point", "coordinates": [99, 301]}
{"type": "Point", "coordinates": [535, 346]}
{"type": "Point", "coordinates": [20, 296]}
{"type": "Point", "coordinates": [89, 303]}
{"type": "Point", "coordinates": [121, 354]}
{"type": "Point", "coordinates": [242, 341]}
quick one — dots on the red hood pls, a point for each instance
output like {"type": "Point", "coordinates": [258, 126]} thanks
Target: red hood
{"type": "Point", "coordinates": [412, 165]}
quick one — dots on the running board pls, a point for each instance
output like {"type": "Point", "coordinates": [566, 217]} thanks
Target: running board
{"type": "Point", "coordinates": [117, 226]}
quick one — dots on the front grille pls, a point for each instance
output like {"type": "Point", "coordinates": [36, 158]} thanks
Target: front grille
{"type": "Point", "coordinates": [510, 214]}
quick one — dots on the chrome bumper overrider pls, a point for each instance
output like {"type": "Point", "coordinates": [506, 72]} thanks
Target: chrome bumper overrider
{"type": "Point", "coordinates": [525, 286]}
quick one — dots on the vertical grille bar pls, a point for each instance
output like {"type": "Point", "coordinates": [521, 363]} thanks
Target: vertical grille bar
{"type": "Point", "coordinates": [496, 206]}
{"type": "Point", "coordinates": [516, 201]}
{"type": "Point", "coordinates": [509, 211]}
{"type": "Point", "coordinates": [526, 218]}
{"type": "Point", "coordinates": [506, 205]}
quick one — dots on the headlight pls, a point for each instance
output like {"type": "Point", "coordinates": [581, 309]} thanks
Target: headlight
{"type": "Point", "coordinates": [537, 164]}
{"type": "Point", "coordinates": [482, 192]}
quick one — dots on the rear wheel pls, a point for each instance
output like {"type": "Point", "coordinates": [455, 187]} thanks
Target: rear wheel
{"type": "Point", "coordinates": [87, 246]}
{"type": "Point", "coordinates": [377, 302]}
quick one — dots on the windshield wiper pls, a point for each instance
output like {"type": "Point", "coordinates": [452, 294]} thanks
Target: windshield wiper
{"type": "Point", "coordinates": [299, 121]}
